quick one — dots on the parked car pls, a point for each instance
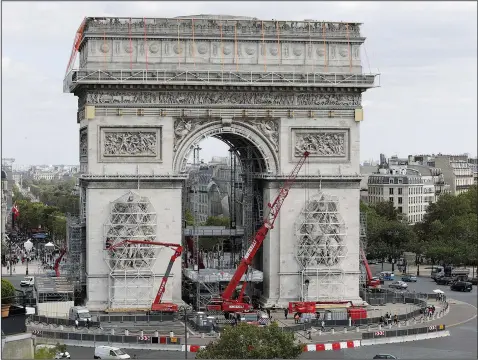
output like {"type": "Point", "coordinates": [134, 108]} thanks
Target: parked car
{"type": "Point", "coordinates": [398, 285]}
{"type": "Point", "coordinates": [384, 356]}
{"type": "Point", "coordinates": [27, 281]}
{"type": "Point", "coordinates": [474, 281]}
{"type": "Point", "coordinates": [63, 355]}
{"type": "Point", "coordinates": [461, 286]}
{"type": "Point", "coordinates": [409, 278]}
{"type": "Point", "coordinates": [372, 262]}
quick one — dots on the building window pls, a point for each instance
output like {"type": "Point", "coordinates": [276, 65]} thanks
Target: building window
{"type": "Point", "coordinates": [400, 190]}
{"type": "Point", "coordinates": [400, 209]}
{"type": "Point", "coordinates": [400, 200]}
{"type": "Point", "coordinates": [390, 199]}
{"type": "Point", "coordinates": [390, 181]}
{"type": "Point", "coordinates": [390, 191]}
{"type": "Point", "coordinates": [400, 181]}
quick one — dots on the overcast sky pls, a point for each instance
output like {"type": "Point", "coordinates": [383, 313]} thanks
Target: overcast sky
{"type": "Point", "coordinates": [426, 54]}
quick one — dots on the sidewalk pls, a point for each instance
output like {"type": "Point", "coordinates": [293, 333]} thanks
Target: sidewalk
{"type": "Point", "coordinates": [34, 268]}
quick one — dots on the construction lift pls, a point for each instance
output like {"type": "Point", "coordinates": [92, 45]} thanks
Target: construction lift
{"type": "Point", "coordinates": [56, 267]}
{"type": "Point", "coordinates": [158, 305]}
{"type": "Point", "coordinates": [310, 307]}
{"type": "Point", "coordinates": [226, 303]}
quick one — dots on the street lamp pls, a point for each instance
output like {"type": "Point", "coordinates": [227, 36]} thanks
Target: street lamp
{"type": "Point", "coordinates": [28, 245]}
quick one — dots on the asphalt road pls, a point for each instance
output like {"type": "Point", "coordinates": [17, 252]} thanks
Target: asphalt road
{"type": "Point", "coordinates": [460, 345]}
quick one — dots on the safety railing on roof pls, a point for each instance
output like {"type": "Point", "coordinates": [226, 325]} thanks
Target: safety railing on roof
{"type": "Point", "coordinates": [216, 77]}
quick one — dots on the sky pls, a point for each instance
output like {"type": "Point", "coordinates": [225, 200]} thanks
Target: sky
{"type": "Point", "coordinates": [426, 53]}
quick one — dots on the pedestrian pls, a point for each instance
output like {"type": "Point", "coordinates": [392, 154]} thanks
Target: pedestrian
{"type": "Point", "coordinates": [76, 324]}
{"type": "Point", "coordinates": [286, 312]}
{"type": "Point", "coordinates": [269, 313]}
{"type": "Point", "coordinates": [395, 319]}
{"type": "Point", "coordinates": [322, 325]}
{"type": "Point", "coordinates": [87, 323]}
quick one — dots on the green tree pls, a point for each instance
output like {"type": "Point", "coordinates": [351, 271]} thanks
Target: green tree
{"type": "Point", "coordinates": [188, 217]}
{"type": "Point", "coordinates": [252, 342]}
{"type": "Point", "coordinates": [217, 221]}
{"type": "Point", "coordinates": [8, 292]}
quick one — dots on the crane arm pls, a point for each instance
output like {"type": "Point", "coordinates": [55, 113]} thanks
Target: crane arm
{"type": "Point", "coordinates": [367, 267]}
{"type": "Point", "coordinates": [263, 230]}
{"type": "Point", "coordinates": [178, 250]}
{"type": "Point", "coordinates": [57, 262]}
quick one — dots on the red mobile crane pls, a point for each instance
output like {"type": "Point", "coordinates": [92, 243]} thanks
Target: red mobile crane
{"type": "Point", "coordinates": [226, 303]}
{"type": "Point", "coordinates": [178, 250]}
{"type": "Point", "coordinates": [58, 261]}
{"type": "Point", "coordinates": [371, 282]}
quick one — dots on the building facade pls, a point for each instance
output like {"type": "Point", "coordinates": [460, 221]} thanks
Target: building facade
{"type": "Point", "coordinates": [404, 188]}
{"type": "Point", "coordinates": [457, 172]}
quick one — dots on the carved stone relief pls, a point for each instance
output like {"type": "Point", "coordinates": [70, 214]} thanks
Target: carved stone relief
{"type": "Point", "coordinates": [270, 129]}
{"type": "Point", "coordinates": [130, 143]}
{"type": "Point", "coordinates": [223, 98]}
{"type": "Point", "coordinates": [83, 145]}
{"type": "Point", "coordinates": [154, 48]}
{"type": "Point", "coordinates": [321, 143]}
{"type": "Point", "coordinates": [183, 127]}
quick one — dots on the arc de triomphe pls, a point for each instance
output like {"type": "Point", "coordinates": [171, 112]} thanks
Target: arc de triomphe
{"type": "Point", "coordinates": [150, 89]}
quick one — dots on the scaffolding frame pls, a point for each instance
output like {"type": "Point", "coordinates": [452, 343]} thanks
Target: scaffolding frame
{"type": "Point", "coordinates": [321, 234]}
{"type": "Point", "coordinates": [131, 278]}
{"type": "Point", "coordinates": [363, 249]}
{"type": "Point", "coordinates": [76, 250]}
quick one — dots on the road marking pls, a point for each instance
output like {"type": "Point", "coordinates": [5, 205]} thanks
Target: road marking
{"type": "Point", "coordinates": [464, 321]}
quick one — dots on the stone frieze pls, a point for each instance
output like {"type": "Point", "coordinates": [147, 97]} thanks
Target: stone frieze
{"type": "Point", "coordinates": [130, 143]}
{"type": "Point", "coordinates": [321, 144]}
{"type": "Point", "coordinates": [223, 98]}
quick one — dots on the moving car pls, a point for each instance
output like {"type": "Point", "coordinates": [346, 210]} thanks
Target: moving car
{"type": "Point", "coordinates": [110, 352]}
{"type": "Point", "coordinates": [384, 356]}
{"type": "Point", "coordinates": [387, 275]}
{"type": "Point", "coordinates": [63, 355]}
{"type": "Point", "coordinates": [27, 281]}
{"type": "Point", "coordinates": [398, 285]}
{"type": "Point", "coordinates": [409, 278]}
{"type": "Point", "coordinates": [79, 312]}
{"type": "Point", "coordinates": [461, 286]}
{"type": "Point", "coordinates": [444, 280]}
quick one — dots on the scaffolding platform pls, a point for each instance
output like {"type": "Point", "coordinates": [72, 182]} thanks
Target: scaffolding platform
{"type": "Point", "coordinates": [219, 231]}
{"type": "Point", "coordinates": [53, 289]}
{"type": "Point", "coordinates": [223, 275]}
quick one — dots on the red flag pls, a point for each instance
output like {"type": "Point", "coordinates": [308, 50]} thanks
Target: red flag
{"type": "Point", "coordinates": [15, 211]}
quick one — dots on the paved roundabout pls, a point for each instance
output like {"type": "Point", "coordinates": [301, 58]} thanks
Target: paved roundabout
{"type": "Point", "coordinates": [461, 322]}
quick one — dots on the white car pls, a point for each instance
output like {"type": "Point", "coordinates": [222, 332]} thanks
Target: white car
{"type": "Point", "coordinates": [64, 355]}
{"type": "Point", "coordinates": [109, 352]}
{"type": "Point", "coordinates": [27, 281]}
{"type": "Point", "coordinates": [398, 285]}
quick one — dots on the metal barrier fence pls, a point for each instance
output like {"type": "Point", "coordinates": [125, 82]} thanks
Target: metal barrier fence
{"type": "Point", "coordinates": [136, 318]}
{"type": "Point", "coordinates": [104, 338]}
{"type": "Point", "coordinates": [383, 333]}
{"type": "Point", "coordinates": [61, 321]}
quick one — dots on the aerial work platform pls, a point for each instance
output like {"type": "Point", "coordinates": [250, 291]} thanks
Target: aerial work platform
{"type": "Point", "coordinates": [213, 231]}
{"type": "Point", "coordinates": [223, 275]}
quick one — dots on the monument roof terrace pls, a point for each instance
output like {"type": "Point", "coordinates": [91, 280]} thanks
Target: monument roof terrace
{"type": "Point", "coordinates": [225, 26]}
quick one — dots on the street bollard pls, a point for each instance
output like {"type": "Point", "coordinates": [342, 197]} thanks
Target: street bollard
{"type": "Point", "coordinates": [350, 321]}
{"type": "Point", "coordinates": [390, 326]}
{"type": "Point", "coordinates": [171, 334]}
{"type": "Point", "coordinates": [202, 335]}
{"type": "Point", "coordinates": [369, 328]}
{"type": "Point", "coordinates": [407, 323]}
{"type": "Point", "coordinates": [379, 326]}
{"type": "Point", "coordinates": [156, 334]}
{"type": "Point", "coordinates": [141, 333]}
{"type": "Point", "coordinates": [320, 332]}
{"type": "Point", "coordinates": [332, 331]}
{"type": "Point", "coordinates": [399, 324]}
{"type": "Point", "coordinates": [126, 333]}
{"type": "Point", "coordinates": [112, 331]}
{"type": "Point", "coordinates": [61, 327]}
{"type": "Point", "coordinates": [345, 330]}
{"type": "Point", "coordinates": [357, 329]}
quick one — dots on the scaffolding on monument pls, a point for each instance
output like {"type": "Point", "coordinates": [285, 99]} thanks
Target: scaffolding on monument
{"type": "Point", "coordinates": [363, 247]}
{"type": "Point", "coordinates": [321, 234]}
{"type": "Point", "coordinates": [76, 250]}
{"type": "Point", "coordinates": [131, 277]}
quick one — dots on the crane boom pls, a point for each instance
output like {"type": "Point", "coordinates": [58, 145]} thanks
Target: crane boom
{"type": "Point", "coordinates": [57, 263]}
{"type": "Point", "coordinates": [178, 250]}
{"type": "Point", "coordinates": [263, 230]}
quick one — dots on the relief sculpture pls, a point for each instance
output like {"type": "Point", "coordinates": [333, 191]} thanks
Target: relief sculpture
{"type": "Point", "coordinates": [322, 144]}
{"type": "Point", "coordinates": [130, 143]}
{"type": "Point", "coordinates": [270, 129]}
{"type": "Point", "coordinates": [223, 98]}
{"type": "Point", "coordinates": [182, 127]}
{"type": "Point", "coordinates": [83, 145]}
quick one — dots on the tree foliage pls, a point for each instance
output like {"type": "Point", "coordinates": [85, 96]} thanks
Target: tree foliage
{"type": "Point", "coordinates": [35, 214]}
{"type": "Point", "coordinates": [61, 194]}
{"type": "Point", "coordinates": [8, 292]}
{"type": "Point", "coordinates": [49, 352]}
{"type": "Point", "coordinates": [252, 342]}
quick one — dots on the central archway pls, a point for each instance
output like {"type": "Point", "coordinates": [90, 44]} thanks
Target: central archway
{"type": "Point", "coordinates": [261, 139]}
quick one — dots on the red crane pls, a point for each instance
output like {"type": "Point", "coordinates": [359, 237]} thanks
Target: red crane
{"type": "Point", "coordinates": [76, 46]}
{"type": "Point", "coordinates": [178, 250]}
{"type": "Point", "coordinates": [371, 281]}
{"type": "Point", "coordinates": [226, 303]}
{"type": "Point", "coordinates": [57, 262]}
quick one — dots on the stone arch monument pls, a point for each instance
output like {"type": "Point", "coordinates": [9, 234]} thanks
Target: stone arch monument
{"type": "Point", "coordinates": [150, 89]}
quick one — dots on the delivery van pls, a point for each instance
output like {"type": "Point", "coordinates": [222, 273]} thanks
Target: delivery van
{"type": "Point", "coordinates": [110, 352]}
